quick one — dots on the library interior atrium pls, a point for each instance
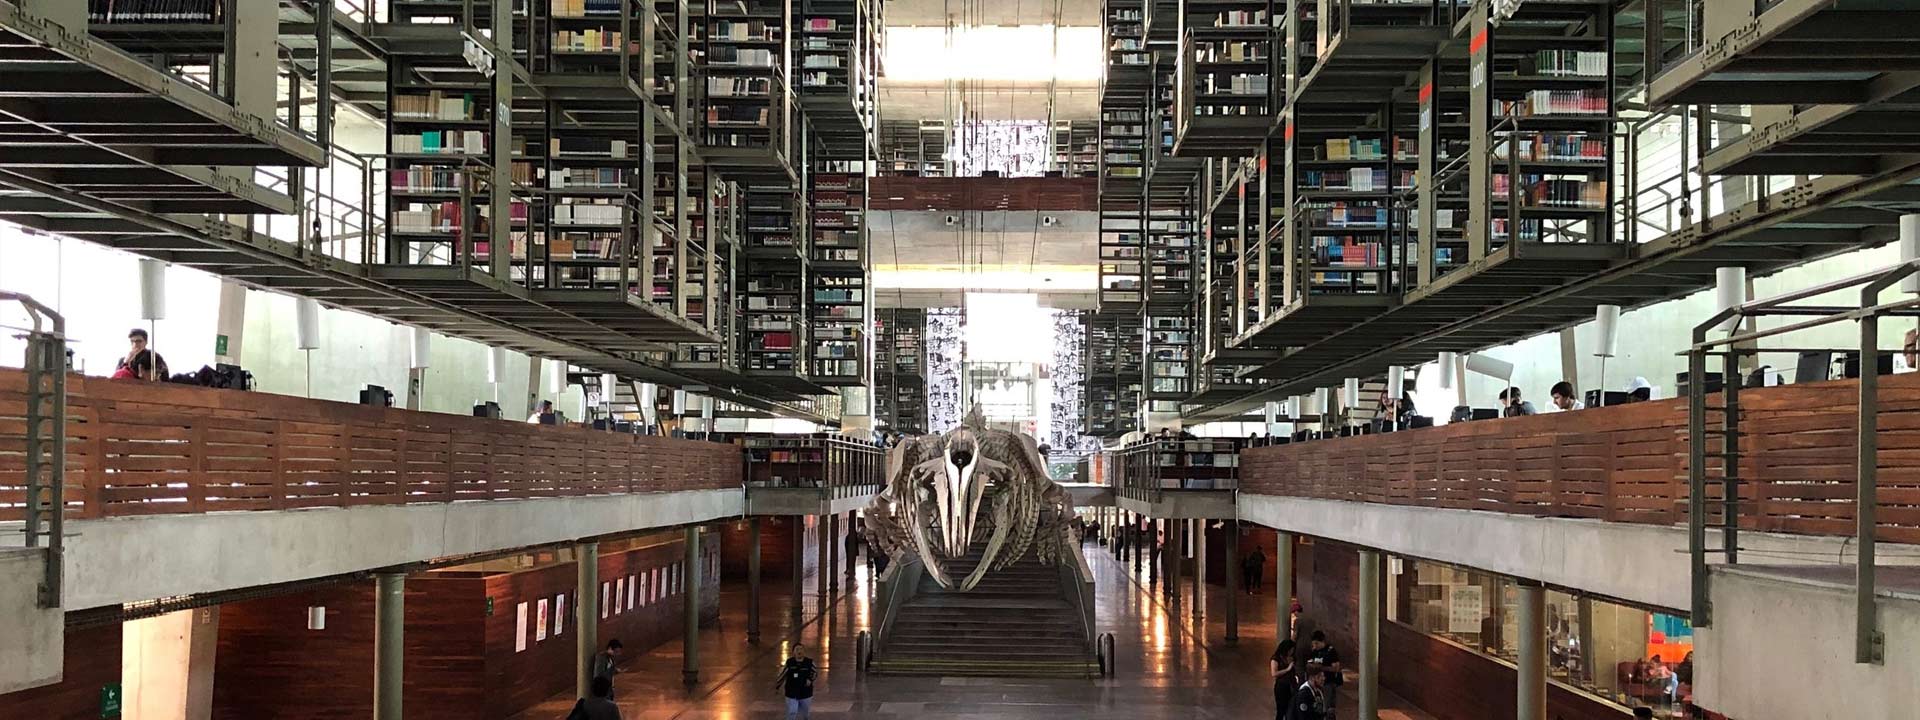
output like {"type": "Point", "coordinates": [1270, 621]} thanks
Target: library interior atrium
{"type": "Point", "coordinates": [985, 359]}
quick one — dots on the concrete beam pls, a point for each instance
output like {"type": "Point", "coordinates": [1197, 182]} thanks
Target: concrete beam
{"type": "Point", "coordinates": [1185, 505]}
{"type": "Point", "coordinates": [35, 635]}
{"type": "Point", "coordinates": [1642, 564]}
{"type": "Point", "coordinates": [1760, 617]}
{"type": "Point", "coordinates": [801, 501]}
{"type": "Point", "coordinates": [119, 560]}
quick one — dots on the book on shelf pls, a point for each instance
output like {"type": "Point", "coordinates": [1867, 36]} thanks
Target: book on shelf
{"type": "Point", "coordinates": [1558, 102]}
{"type": "Point", "coordinates": [153, 11]}
{"type": "Point", "coordinates": [739, 87]}
{"type": "Point", "coordinates": [424, 179]}
{"type": "Point", "coordinates": [435, 142]}
{"type": "Point", "coordinates": [1570, 63]}
{"type": "Point", "coordinates": [583, 8]}
{"type": "Point", "coordinates": [574, 147]}
{"type": "Point", "coordinates": [740, 57]}
{"type": "Point", "coordinates": [434, 105]}
{"type": "Point", "coordinates": [588, 214]}
{"type": "Point", "coordinates": [588, 41]}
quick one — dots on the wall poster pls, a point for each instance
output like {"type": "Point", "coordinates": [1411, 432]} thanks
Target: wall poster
{"type": "Point", "coordinates": [540, 620]}
{"type": "Point", "coordinates": [559, 613]}
{"type": "Point", "coordinates": [633, 590]}
{"type": "Point", "coordinates": [605, 587]}
{"type": "Point", "coordinates": [1465, 606]}
{"type": "Point", "coordinates": [520, 628]}
{"type": "Point", "coordinates": [619, 589]}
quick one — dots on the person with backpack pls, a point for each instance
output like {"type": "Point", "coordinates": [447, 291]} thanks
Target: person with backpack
{"type": "Point", "coordinates": [599, 705]}
{"type": "Point", "coordinates": [796, 682]}
{"type": "Point", "coordinates": [604, 662]}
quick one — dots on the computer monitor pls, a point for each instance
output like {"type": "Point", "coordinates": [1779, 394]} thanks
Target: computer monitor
{"type": "Point", "coordinates": [1852, 364]}
{"type": "Point", "coordinates": [1597, 398]}
{"type": "Point", "coordinates": [1815, 366]}
{"type": "Point", "coordinates": [1485, 414]}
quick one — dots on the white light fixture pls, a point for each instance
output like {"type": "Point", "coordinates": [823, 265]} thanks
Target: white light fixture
{"type": "Point", "coordinates": [153, 289]}
{"type": "Point", "coordinates": [1449, 366]}
{"type": "Point", "coordinates": [1396, 381]}
{"type": "Point", "coordinates": [316, 617]}
{"type": "Point", "coordinates": [1606, 321]}
{"type": "Point", "coordinates": [1322, 401]}
{"type": "Point", "coordinates": [1350, 393]}
{"type": "Point", "coordinates": [1729, 291]}
{"type": "Point", "coordinates": [1910, 249]}
{"type": "Point", "coordinates": [496, 365]}
{"type": "Point", "coordinates": [422, 348]}
{"type": "Point", "coordinates": [556, 376]}
{"type": "Point", "coordinates": [306, 325]}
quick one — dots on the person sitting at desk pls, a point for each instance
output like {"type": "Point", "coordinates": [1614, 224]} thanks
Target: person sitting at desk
{"type": "Point", "coordinates": [1639, 390]}
{"type": "Point", "coordinates": [1565, 398]}
{"type": "Point", "coordinates": [1512, 406]}
{"type": "Point", "coordinates": [545, 408]}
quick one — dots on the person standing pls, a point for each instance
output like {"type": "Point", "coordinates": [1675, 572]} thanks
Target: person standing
{"type": "Point", "coordinates": [796, 682]}
{"type": "Point", "coordinates": [598, 706]}
{"type": "Point", "coordinates": [1313, 700]}
{"type": "Point", "coordinates": [1321, 654]}
{"type": "Point", "coordinates": [605, 662]}
{"type": "Point", "coordinates": [1285, 680]}
{"type": "Point", "coordinates": [1256, 566]}
{"type": "Point", "coordinates": [853, 543]}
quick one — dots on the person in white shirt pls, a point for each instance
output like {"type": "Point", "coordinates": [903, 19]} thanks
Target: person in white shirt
{"type": "Point", "coordinates": [1564, 397]}
{"type": "Point", "coordinates": [544, 408]}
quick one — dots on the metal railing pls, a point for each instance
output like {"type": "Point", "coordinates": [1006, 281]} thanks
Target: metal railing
{"type": "Point", "coordinates": [1730, 348]}
{"type": "Point", "coordinates": [45, 434]}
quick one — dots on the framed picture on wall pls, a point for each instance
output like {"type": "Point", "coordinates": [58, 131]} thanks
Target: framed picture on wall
{"type": "Point", "coordinates": [559, 613]}
{"type": "Point", "coordinates": [632, 591]}
{"type": "Point", "coordinates": [520, 627]}
{"type": "Point", "coordinates": [605, 588]}
{"type": "Point", "coordinates": [659, 584]}
{"type": "Point", "coordinates": [540, 620]}
{"type": "Point", "coordinates": [619, 589]}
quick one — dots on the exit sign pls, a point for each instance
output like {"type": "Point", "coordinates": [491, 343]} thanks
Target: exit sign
{"type": "Point", "coordinates": [110, 701]}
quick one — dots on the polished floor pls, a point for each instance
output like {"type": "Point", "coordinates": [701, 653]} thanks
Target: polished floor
{"type": "Point", "coordinates": [1169, 667]}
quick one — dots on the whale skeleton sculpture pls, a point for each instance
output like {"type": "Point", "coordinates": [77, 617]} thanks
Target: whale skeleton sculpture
{"type": "Point", "coordinates": [936, 486]}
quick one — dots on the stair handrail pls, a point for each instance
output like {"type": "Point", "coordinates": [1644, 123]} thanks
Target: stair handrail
{"type": "Point", "coordinates": [1076, 584]}
{"type": "Point", "coordinates": [896, 586]}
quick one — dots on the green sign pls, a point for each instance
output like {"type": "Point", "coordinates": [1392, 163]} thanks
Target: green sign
{"type": "Point", "coordinates": [489, 606]}
{"type": "Point", "coordinates": [219, 344]}
{"type": "Point", "coordinates": [110, 701]}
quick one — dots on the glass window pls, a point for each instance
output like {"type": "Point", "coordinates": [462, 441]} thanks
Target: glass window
{"type": "Point", "coordinates": [1619, 653]}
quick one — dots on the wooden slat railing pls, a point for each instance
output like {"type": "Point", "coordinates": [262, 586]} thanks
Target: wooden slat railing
{"type": "Point", "coordinates": [142, 448]}
{"type": "Point", "coordinates": [1627, 463]}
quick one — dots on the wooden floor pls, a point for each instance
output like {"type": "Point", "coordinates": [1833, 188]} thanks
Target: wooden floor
{"type": "Point", "coordinates": [1169, 667]}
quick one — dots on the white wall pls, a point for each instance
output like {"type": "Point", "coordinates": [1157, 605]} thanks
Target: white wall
{"type": "Point", "coordinates": [1651, 338]}
{"type": "Point", "coordinates": [97, 289]}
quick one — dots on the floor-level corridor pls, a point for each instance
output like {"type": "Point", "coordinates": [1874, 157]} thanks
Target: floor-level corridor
{"type": "Point", "coordinates": [1168, 667]}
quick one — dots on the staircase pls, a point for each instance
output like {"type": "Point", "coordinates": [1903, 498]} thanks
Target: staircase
{"type": "Point", "coordinates": [1015, 623]}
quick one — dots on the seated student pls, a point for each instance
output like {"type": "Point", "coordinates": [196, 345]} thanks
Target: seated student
{"type": "Point", "coordinates": [141, 363]}
{"type": "Point", "coordinates": [1639, 390]}
{"type": "Point", "coordinates": [543, 409]}
{"type": "Point", "coordinates": [1565, 398]}
{"type": "Point", "coordinates": [1512, 406]}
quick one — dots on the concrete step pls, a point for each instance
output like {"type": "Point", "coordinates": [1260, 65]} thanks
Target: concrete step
{"type": "Point", "coordinates": [956, 650]}
{"type": "Point", "coordinates": [971, 668]}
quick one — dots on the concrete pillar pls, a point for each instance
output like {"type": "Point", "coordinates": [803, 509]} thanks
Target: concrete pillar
{"type": "Point", "coordinates": [1368, 628]}
{"type": "Point", "coordinates": [853, 553]}
{"type": "Point", "coordinates": [586, 618]}
{"type": "Point", "coordinates": [831, 568]}
{"type": "Point", "coordinates": [1200, 577]}
{"type": "Point", "coordinates": [799, 568]}
{"type": "Point", "coordinates": [1283, 584]}
{"type": "Point", "coordinates": [389, 644]}
{"type": "Point", "coordinates": [1586, 637]}
{"type": "Point", "coordinates": [1533, 653]}
{"type": "Point", "coordinates": [753, 580]}
{"type": "Point", "coordinates": [823, 567]}
{"type": "Point", "coordinates": [1173, 554]}
{"type": "Point", "coordinates": [1233, 583]}
{"type": "Point", "coordinates": [166, 665]}
{"type": "Point", "coordinates": [690, 576]}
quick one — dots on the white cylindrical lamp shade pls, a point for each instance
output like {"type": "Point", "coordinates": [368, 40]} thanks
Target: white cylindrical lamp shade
{"type": "Point", "coordinates": [153, 289]}
{"type": "Point", "coordinates": [1449, 366]}
{"type": "Point", "coordinates": [1295, 407]}
{"type": "Point", "coordinates": [306, 323]}
{"type": "Point", "coordinates": [1350, 393]}
{"type": "Point", "coordinates": [1606, 320]}
{"type": "Point", "coordinates": [1396, 380]}
{"type": "Point", "coordinates": [1729, 291]}
{"type": "Point", "coordinates": [496, 365]}
{"type": "Point", "coordinates": [422, 349]}
{"type": "Point", "coordinates": [1322, 401]}
{"type": "Point", "coordinates": [1910, 249]}
{"type": "Point", "coordinates": [556, 376]}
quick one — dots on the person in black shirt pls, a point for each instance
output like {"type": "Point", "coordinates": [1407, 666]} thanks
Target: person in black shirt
{"type": "Point", "coordinates": [796, 681]}
{"type": "Point", "coordinates": [1256, 565]}
{"type": "Point", "coordinates": [599, 705]}
{"type": "Point", "coordinates": [1285, 680]}
{"type": "Point", "coordinates": [141, 362]}
{"type": "Point", "coordinates": [1322, 654]}
{"type": "Point", "coordinates": [1314, 700]}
